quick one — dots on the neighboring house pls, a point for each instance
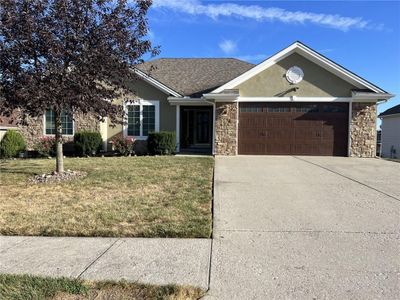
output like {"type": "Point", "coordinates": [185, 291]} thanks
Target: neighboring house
{"type": "Point", "coordinates": [296, 102]}
{"type": "Point", "coordinates": [390, 128]}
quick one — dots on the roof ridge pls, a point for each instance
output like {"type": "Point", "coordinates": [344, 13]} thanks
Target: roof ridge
{"type": "Point", "coordinates": [199, 58]}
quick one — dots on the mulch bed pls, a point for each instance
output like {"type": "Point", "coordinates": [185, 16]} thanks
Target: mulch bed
{"type": "Point", "coordinates": [56, 177]}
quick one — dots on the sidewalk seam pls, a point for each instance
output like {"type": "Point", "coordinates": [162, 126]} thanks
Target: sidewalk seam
{"type": "Point", "coordinates": [93, 262]}
{"type": "Point", "coordinates": [347, 177]}
{"type": "Point", "coordinates": [13, 246]}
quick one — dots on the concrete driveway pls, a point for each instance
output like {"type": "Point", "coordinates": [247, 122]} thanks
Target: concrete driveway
{"type": "Point", "coordinates": [305, 228]}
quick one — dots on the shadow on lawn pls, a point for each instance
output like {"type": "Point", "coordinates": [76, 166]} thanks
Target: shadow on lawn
{"type": "Point", "coordinates": [30, 168]}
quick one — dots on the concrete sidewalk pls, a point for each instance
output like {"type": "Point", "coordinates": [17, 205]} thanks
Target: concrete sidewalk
{"type": "Point", "coordinates": [150, 261]}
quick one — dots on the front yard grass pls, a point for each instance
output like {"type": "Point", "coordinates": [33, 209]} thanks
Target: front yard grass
{"type": "Point", "coordinates": [22, 287]}
{"type": "Point", "coordinates": [167, 196]}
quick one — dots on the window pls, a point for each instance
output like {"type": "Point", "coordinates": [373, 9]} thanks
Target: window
{"type": "Point", "coordinates": [334, 109]}
{"type": "Point", "coordinates": [278, 109]}
{"type": "Point", "coordinates": [251, 109]}
{"type": "Point", "coordinates": [143, 117]}
{"type": "Point", "coordinates": [307, 108]}
{"type": "Point", "coordinates": [134, 120]}
{"type": "Point", "coordinates": [149, 119]}
{"type": "Point", "coordinates": [67, 123]}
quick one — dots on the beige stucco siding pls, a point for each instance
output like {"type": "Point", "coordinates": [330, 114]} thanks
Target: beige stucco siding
{"type": "Point", "coordinates": [317, 82]}
{"type": "Point", "coordinates": [142, 90]}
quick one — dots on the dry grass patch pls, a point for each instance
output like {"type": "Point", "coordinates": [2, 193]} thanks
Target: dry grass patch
{"type": "Point", "coordinates": [21, 287]}
{"type": "Point", "coordinates": [120, 196]}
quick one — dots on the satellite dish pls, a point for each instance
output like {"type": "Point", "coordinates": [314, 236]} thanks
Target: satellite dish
{"type": "Point", "coordinates": [294, 75]}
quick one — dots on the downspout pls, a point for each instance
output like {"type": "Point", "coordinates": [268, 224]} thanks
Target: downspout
{"type": "Point", "coordinates": [349, 152]}
{"type": "Point", "coordinates": [376, 125]}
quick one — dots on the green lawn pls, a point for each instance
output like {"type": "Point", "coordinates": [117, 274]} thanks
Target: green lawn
{"type": "Point", "coordinates": [23, 287]}
{"type": "Point", "coordinates": [167, 196]}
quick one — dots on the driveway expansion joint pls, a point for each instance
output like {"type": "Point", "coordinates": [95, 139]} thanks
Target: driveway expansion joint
{"type": "Point", "coordinates": [98, 257]}
{"type": "Point", "coordinates": [347, 177]}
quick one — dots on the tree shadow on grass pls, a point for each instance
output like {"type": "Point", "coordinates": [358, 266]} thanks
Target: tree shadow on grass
{"type": "Point", "coordinates": [29, 168]}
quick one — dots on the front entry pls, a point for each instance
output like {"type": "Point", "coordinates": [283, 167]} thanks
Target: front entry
{"type": "Point", "coordinates": [196, 129]}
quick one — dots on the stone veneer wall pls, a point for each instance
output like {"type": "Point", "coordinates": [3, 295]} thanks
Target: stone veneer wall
{"type": "Point", "coordinates": [33, 131]}
{"type": "Point", "coordinates": [363, 130]}
{"type": "Point", "coordinates": [226, 128]}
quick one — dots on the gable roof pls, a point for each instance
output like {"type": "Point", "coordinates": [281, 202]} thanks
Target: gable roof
{"type": "Point", "coordinates": [312, 55]}
{"type": "Point", "coordinates": [194, 76]}
{"type": "Point", "coordinates": [162, 87]}
{"type": "Point", "coordinates": [391, 111]}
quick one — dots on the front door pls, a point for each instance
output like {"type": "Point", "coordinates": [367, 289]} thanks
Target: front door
{"type": "Point", "coordinates": [196, 128]}
{"type": "Point", "coordinates": [202, 126]}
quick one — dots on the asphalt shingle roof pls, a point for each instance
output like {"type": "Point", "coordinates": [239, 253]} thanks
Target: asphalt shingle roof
{"type": "Point", "coordinates": [194, 76]}
{"type": "Point", "coordinates": [391, 111]}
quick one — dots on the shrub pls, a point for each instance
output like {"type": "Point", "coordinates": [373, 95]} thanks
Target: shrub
{"type": "Point", "coordinates": [12, 144]}
{"type": "Point", "coordinates": [162, 143]}
{"type": "Point", "coordinates": [46, 146]}
{"type": "Point", "coordinates": [123, 146]}
{"type": "Point", "coordinates": [88, 142]}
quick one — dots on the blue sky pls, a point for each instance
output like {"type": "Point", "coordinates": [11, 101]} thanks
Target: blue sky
{"type": "Point", "coordinates": [363, 36]}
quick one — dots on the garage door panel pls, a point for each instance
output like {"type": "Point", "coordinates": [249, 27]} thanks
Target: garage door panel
{"type": "Point", "coordinates": [293, 128]}
{"type": "Point", "coordinates": [254, 121]}
{"type": "Point", "coordinates": [277, 121]}
{"type": "Point", "coordinates": [278, 134]}
{"type": "Point", "coordinates": [279, 148]}
{"type": "Point", "coordinates": [305, 149]}
{"type": "Point", "coordinates": [307, 133]}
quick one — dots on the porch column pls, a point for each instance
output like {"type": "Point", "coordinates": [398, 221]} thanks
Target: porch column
{"type": "Point", "coordinates": [177, 129]}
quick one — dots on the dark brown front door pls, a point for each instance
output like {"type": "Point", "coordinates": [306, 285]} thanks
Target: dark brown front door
{"type": "Point", "coordinates": [293, 128]}
{"type": "Point", "coordinates": [196, 128]}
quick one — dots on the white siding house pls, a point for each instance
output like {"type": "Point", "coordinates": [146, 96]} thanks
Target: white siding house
{"type": "Point", "coordinates": [391, 132]}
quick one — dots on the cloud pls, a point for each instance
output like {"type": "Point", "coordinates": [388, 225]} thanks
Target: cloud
{"type": "Point", "coordinates": [227, 46]}
{"type": "Point", "coordinates": [262, 14]}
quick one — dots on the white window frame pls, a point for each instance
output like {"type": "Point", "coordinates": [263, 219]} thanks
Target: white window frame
{"type": "Point", "coordinates": [44, 126]}
{"type": "Point", "coordinates": [142, 103]}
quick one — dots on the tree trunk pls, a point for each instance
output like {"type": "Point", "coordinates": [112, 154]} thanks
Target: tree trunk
{"type": "Point", "coordinates": [59, 143]}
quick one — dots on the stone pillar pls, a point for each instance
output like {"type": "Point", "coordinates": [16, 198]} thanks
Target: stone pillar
{"type": "Point", "coordinates": [363, 129]}
{"type": "Point", "coordinates": [226, 128]}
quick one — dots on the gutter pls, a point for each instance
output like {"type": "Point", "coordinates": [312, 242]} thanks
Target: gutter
{"type": "Point", "coordinates": [222, 97]}
{"type": "Point", "coordinates": [371, 96]}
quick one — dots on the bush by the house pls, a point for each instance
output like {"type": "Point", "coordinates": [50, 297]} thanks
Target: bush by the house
{"type": "Point", "coordinates": [88, 142]}
{"type": "Point", "coordinates": [161, 143]}
{"type": "Point", "coordinates": [12, 144]}
{"type": "Point", "coordinates": [46, 146]}
{"type": "Point", "coordinates": [122, 145]}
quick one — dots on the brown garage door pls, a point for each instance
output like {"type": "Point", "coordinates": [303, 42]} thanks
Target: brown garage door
{"type": "Point", "coordinates": [293, 128]}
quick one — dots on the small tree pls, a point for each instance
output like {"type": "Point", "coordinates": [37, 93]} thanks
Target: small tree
{"type": "Point", "coordinates": [69, 55]}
